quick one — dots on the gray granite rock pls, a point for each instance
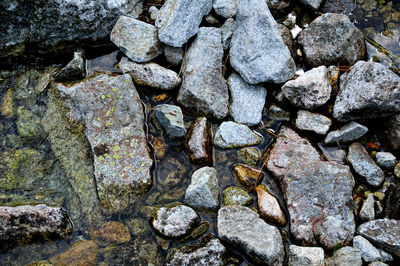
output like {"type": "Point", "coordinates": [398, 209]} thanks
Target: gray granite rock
{"type": "Point", "coordinates": [204, 90]}
{"type": "Point", "coordinates": [312, 122]}
{"type": "Point", "coordinates": [378, 263]}
{"type": "Point", "coordinates": [236, 196]}
{"type": "Point", "coordinates": [369, 90]}
{"type": "Point", "coordinates": [173, 55]}
{"type": "Point", "coordinates": [227, 30]}
{"type": "Point", "coordinates": [198, 142]}
{"type": "Point", "coordinates": [175, 222]}
{"type": "Point", "coordinates": [310, 90]}
{"type": "Point", "coordinates": [333, 154]}
{"type": "Point", "coordinates": [232, 135]}
{"type": "Point", "coordinates": [367, 212]}
{"type": "Point", "coordinates": [304, 256]}
{"type": "Point", "coordinates": [180, 19]}
{"type": "Point", "coordinates": [154, 12]}
{"type": "Point", "coordinates": [138, 40]}
{"type": "Point", "coordinates": [331, 39]}
{"type": "Point", "coordinates": [385, 160]}
{"type": "Point", "coordinates": [150, 74]}
{"type": "Point", "coordinates": [203, 191]}
{"type": "Point", "coordinates": [319, 199]}
{"type": "Point", "coordinates": [345, 256]}
{"type": "Point", "coordinates": [384, 233]}
{"type": "Point", "coordinates": [257, 51]}
{"type": "Point", "coordinates": [349, 132]}
{"type": "Point", "coordinates": [170, 118]}
{"type": "Point", "coordinates": [369, 253]}
{"type": "Point", "coordinates": [314, 4]}
{"type": "Point", "coordinates": [277, 113]}
{"type": "Point", "coordinates": [225, 8]}
{"type": "Point", "coordinates": [247, 101]}
{"type": "Point", "coordinates": [74, 70]}
{"type": "Point", "coordinates": [242, 228]}
{"type": "Point", "coordinates": [364, 165]}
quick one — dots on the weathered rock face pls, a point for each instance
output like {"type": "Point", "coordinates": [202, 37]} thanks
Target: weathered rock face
{"type": "Point", "coordinates": [369, 253]}
{"type": "Point", "coordinates": [332, 39]}
{"type": "Point", "coordinates": [369, 90]}
{"type": "Point", "coordinates": [227, 30]}
{"type": "Point", "coordinates": [345, 256]}
{"type": "Point", "coordinates": [82, 252]}
{"type": "Point", "coordinates": [204, 90]}
{"type": "Point", "coordinates": [112, 112]}
{"type": "Point", "coordinates": [232, 135]}
{"type": "Point", "coordinates": [248, 177]}
{"type": "Point", "coordinates": [257, 51]}
{"type": "Point", "coordinates": [74, 70]}
{"type": "Point", "coordinates": [269, 207]}
{"type": "Point", "coordinates": [225, 8]}
{"type": "Point", "coordinates": [242, 228]}
{"type": "Point", "coordinates": [347, 133]}
{"type": "Point", "coordinates": [312, 122]}
{"type": "Point", "coordinates": [180, 19]}
{"type": "Point", "coordinates": [170, 118]}
{"type": "Point", "coordinates": [299, 256]}
{"type": "Point", "coordinates": [319, 199]}
{"type": "Point", "coordinates": [236, 196]}
{"type": "Point", "coordinates": [25, 224]}
{"type": "Point", "coordinates": [198, 143]}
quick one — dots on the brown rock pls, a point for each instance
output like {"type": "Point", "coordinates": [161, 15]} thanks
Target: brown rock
{"type": "Point", "coordinates": [248, 177]}
{"type": "Point", "coordinates": [161, 97]}
{"type": "Point", "coordinates": [198, 143]}
{"type": "Point", "coordinates": [111, 232]}
{"type": "Point", "coordinates": [82, 252]}
{"type": "Point", "coordinates": [269, 207]}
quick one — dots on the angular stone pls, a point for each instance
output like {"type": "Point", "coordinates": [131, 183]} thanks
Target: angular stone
{"type": "Point", "coordinates": [304, 256]}
{"type": "Point", "coordinates": [198, 143]}
{"type": "Point", "coordinates": [367, 212]}
{"type": "Point", "coordinates": [203, 191]}
{"type": "Point", "coordinates": [364, 165]}
{"type": "Point", "coordinates": [74, 70]}
{"type": "Point", "coordinates": [173, 55]}
{"type": "Point", "coordinates": [232, 135]}
{"type": "Point", "coordinates": [204, 90]}
{"type": "Point", "coordinates": [385, 160]}
{"type": "Point", "coordinates": [250, 155]}
{"type": "Point", "coordinates": [112, 112]}
{"type": "Point", "coordinates": [225, 8]}
{"type": "Point", "coordinates": [312, 122]}
{"type": "Point", "coordinates": [339, 6]}
{"type": "Point", "coordinates": [111, 232]}
{"type": "Point", "coordinates": [369, 253]}
{"type": "Point", "coordinates": [277, 113]}
{"type": "Point", "coordinates": [333, 154]}
{"type": "Point", "coordinates": [236, 196]}
{"type": "Point", "coordinates": [310, 90]}
{"type": "Point", "coordinates": [242, 228]}
{"type": "Point", "coordinates": [180, 19]}
{"type": "Point", "coordinates": [279, 8]}
{"type": "Point", "coordinates": [248, 177]}
{"type": "Point", "coordinates": [170, 118]}
{"type": "Point", "coordinates": [319, 199]}
{"type": "Point", "coordinates": [138, 40]}
{"type": "Point", "coordinates": [150, 74]}
{"type": "Point", "coordinates": [257, 51]}
{"type": "Point", "coordinates": [349, 132]}
{"type": "Point", "coordinates": [314, 4]}
{"type": "Point", "coordinates": [82, 252]}
{"type": "Point", "coordinates": [345, 256]}
{"type": "Point", "coordinates": [247, 101]}
{"type": "Point", "coordinates": [227, 30]}
{"type": "Point", "coordinates": [269, 207]}
{"type": "Point", "coordinates": [370, 90]}
{"type": "Point", "coordinates": [391, 131]}
{"type": "Point", "coordinates": [331, 39]}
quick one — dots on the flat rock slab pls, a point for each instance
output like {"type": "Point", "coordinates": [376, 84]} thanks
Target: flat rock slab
{"type": "Point", "coordinates": [319, 199]}
{"type": "Point", "coordinates": [112, 113]}
{"type": "Point", "coordinates": [313, 122]}
{"type": "Point", "coordinates": [242, 228]}
{"type": "Point", "coordinates": [257, 51]}
{"type": "Point", "coordinates": [198, 142]}
{"type": "Point", "coordinates": [370, 90]}
{"type": "Point", "coordinates": [349, 132]}
{"type": "Point", "coordinates": [232, 135]}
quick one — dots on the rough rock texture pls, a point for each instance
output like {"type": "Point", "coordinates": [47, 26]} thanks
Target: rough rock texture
{"type": "Point", "coordinates": [138, 40]}
{"type": "Point", "coordinates": [364, 165]}
{"type": "Point", "coordinates": [249, 155]}
{"type": "Point", "coordinates": [310, 90]}
{"type": "Point", "coordinates": [369, 90]}
{"type": "Point", "coordinates": [74, 70]}
{"type": "Point", "coordinates": [392, 131]}
{"type": "Point", "coordinates": [331, 39]}
{"type": "Point", "coordinates": [236, 196]}
{"type": "Point", "coordinates": [367, 212]}
{"type": "Point", "coordinates": [369, 253]}
{"type": "Point", "coordinates": [170, 118]}
{"type": "Point", "coordinates": [279, 8]}
{"type": "Point", "coordinates": [225, 8]}
{"type": "Point", "coordinates": [203, 191]}
{"type": "Point", "coordinates": [232, 135]}
{"type": "Point", "coordinates": [173, 55]}
{"type": "Point", "coordinates": [204, 90]}
{"type": "Point", "coordinates": [312, 122]}
{"type": "Point", "coordinates": [180, 19]}
{"type": "Point", "coordinates": [227, 30]}
{"type": "Point", "coordinates": [385, 160]}
{"type": "Point", "coordinates": [247, 101]}
{"type": "Point", "coordinates": [384, 233]}
{"type": "Point", "coordinates": [242, 228]}
{"type": "Point", "coordinates": [333, 154]}
{"type": "Point", "coordinates": [339, 6]}
{"type": "Point", "coordinates": [302, 256]}
{"type": "Point", "coordinates": [248, 177]}
{"type": "Point", "coordinates": [112, 112]}
{"type": "Point", "coordinates": [257, 51]}
{"type": "Point", "coordinates": [150, 74]}
{"type": "Point", "coordinates": [82, 252]}
{"type": "Point", "coordinates": [111, 232]}
{"type": "Point", "coordinates": [277, 113]}
{"type": "Point", "coordinates": [26, 224]}
{"type": "Point", "coordinates": [269, 207]}
{"type": "Point", "coordinates": [345, 256]}
{"type": "Point", "coordinates": [198, 142]}
{"type": "Point", "coordinates": [349, 132]}
{"type": "Point", "coordinates": [319, 199]}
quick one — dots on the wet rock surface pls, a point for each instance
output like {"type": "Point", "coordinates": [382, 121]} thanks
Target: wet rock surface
{"type": "Point", "coordinates": [74, 70]}
{"type": "Point", "coordinates": [249, 155]}
{"type": "Point", "coordinates": [170, 118]}
{"type": "Point", "coordinates": [305, 255]}
{"type": "Point", "coordinates": [198, 142]}
{"type": "Point", "coordinates": [236, 196]}
{"type": "Point", "coordinates": [82, 252]}
{"type": "Point", "coordinates": [268, 206]}
{"type": "Point", "coordinates": [247, 177]}
{"type": "Point", "coordinates": [174, 55]}
{"type": "Point", "coordinates": [386, 160]}
{"type": "Point", "coordinates": [233, 135]}
{"type": "Point", "coordinates": [349, 132]}
{"type": "Point", "coordinates": [111, 232]}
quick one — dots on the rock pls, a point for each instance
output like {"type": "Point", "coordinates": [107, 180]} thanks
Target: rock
{"type": "Point", "coordinates": [173, 55]}
{"type": "Point", "coordinates": [385, 160]}
{"type": "Point", "coordinates": [290, 149]}
{"type": "Point", "coordinates": [345, 256]}
{"type": "Point", "coordinates": [150, 74]}
{"type": "Point", "coordinates": [242, 228]}
{"type": "Point", "coordinates": [180, 19]}
{"type": "Point", "coordinates": [250, 155]}
{"type": "Point", "coordinates": [364, 165]}
{"type": "Point", "coordinates": [378, 263]}
{"type": "Point", "coordinates": [319, 199]}
{"type": "Point", "coordinates": [367, 212]}
{"type": "Point", "coordinates": [198, 142]}
{"type": "Point", "coordinates": [279, 8]}
{"type": "Point", "coordinates": [82, 252]}
{"type": "Point", "coordinates": [111, 232]}
{"type": "Point", "coordinates": [397, 170]}
{"type": "Point", "coordinates": [138, 40]}
{"type": "Point", "coordinates": [203, 191]}
{"type": "Point", "coordinates": [26, 224]}
{"type": "Point", "coordinates": [288, 39]}
{"type": "Point", "coordinates": [74, 70]}
{"type": "Point", "coordinates": [227, 30]}
{"type": "Point", "coordinates": [154, 12]}
{"type": "Point", "coordinates": [247, 101]}
{"type": "Point", "coordinates": [268, 206]}
{"type": "Point", "coordinates": [333, 154]}
{"type": "Point", "coordinates": [170, 118]}
{"type": "Point", "coordinates": [232, 135]}
{"type": "Point", "coordinates": [339, 6]}
{"type": "Point", "coordinates": [257, 51]}
{"type": "Point", "coordinates": [112, 113]}
{"type": "Point", "coordinates": [331, 39]}
{"type": "Point", "coordinates": [236, 196]}
{"type": "Point", "coordinates": [313, 122]}
{"type": "Point", "coordinates": [40, 263]}
{"type": "Point", "coordinates": [277, 113]}
{"type": "Point", "coordinates": [248, 177]}
{"type": "Point", "coordinates": [302, 256]}
{"type": "Point", "coordinates": [175, 222]}
{"type": "Point", "coordinates": [6, 108]}
{"type": "Point", "coordinates": [391, 131]}
{"type": "Point", "coordinates": [160, 147]}
{"type": "Point", "coordinates": [349, 132]}
{"type": "Point", "coordinates": [384, 233]}
{"type": "Point", "coordinates": [211, 19]}
{"type": "Point", "coordinates": [369, 253]}
{"type": "Point", "coordinates": [225, 8]}
{"type": "Point", "coordinates": [369, 90]}
{"type": "Point", "coordinates": [310, 90]}
{"type": "Point", "coordinates": [314, 4]}
{"type": "Point", "coordinates": [204, 90]}
{"type": "Point", "coordinates": [198, 231]}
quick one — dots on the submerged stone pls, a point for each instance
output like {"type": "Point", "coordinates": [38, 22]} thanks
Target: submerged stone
{"type": "Point", "coordinates": [269, 207]}
{"type": "Point", "coordinates": [248, 177]}
{"type": "Point", "coordinates": [250, 155]}
{"type": "Point", "coordinates": [236, 196]}
{"type": "Point", "coordinates": [111, 232]}
{"type": "Point", "coordinates": [82, 252]}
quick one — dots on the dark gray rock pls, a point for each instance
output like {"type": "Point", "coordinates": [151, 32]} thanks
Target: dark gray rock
{"type": "Point", "coordinates": [173, 55]}
{"type": "Point", "coordinates": [312, 122]}
{"type": "Point", "coordinates": [345, 256]}
{"type": "Point", "coordinates": [232, 135]}
{"type": "Point", "coordinates": [369, 90]}
{"type": "Point", "coordinates": [367, 212]}
{"type": "Point", "coordinates": [170, 118]}
{"type": "Point", "coordinates": [349, 132]}
{"type": "Point", "coordinates": [333, 154]}
{"type": "Point", "coordinates": [227, 30]}
{"type": "Point", "coordinates": [339, 6]}
{"type": "Point", "coordinates": [303, 256]}
{"type": "Point", "coordinates": [277, 113]}
{"type": "Point", "coordinates": [74, 70]}
{"type": "Point", "coordinates": [257, 51]}
{"type": "Point", "coordinates": [385, 160]}
{"type": "Point", "coordinates": [225, 8]}
{"type": "Point", "coordinates": [279, 8]}
{"type": "Point", "coordinates": [198, 142]}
